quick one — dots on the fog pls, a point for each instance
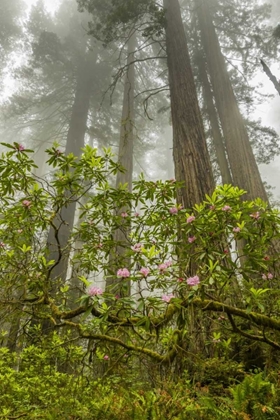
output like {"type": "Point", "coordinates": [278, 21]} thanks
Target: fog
{"type": "Point", "coordinates": [153, 131]}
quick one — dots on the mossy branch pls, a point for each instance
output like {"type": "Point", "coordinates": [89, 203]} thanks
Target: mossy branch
{"type": "Point", "coordinates": [163, 359]}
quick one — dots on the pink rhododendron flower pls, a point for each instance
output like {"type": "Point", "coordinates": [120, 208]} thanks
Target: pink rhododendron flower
{"type": "Point", "coordinates": [123, 272]}
{"type": "Point", "coordinates": [124, 214]}
{"type": "Point", "coordinates": [26, 203]}
{"type": "Point", "coordinates": [191, 239]}
{"type": "Point", "coordinates": [212, 207]}
{"type": "Point", "coordinates": [226, 208]}
{"type": "Point", "coordinates": [95, 291]}
{"type": "Point", "coordinates": [193, 281]}
{"type": "Point", "coordinates": [168, 263]}
{"type": "Point", "coordinates": [20, 148]}
{"type": "Point", "coordinates": [137, 247]}
{"type": "Point", "coordinates": [190, 219]}
{"type": "Point", "coordinates": [162, 267]}
{"type": "Point", "coordinates": [106, 357]}
{"type": "Point", "coordinates": [145, 271]}
{"type": "Point", "coordinates": [255, 215]}
{"type": "Point", "coordinates": [167, 298]}
{"type": "Point", "coordinates": [136, 214]}
{"type": "Point", "coordinates": [236, 229]}
{"type": "Point", "coordinates": [173, 210]}
{"type": "Point", "coordinates": [267, 276]}
{"type": "Point", "coordinates": [2, 245]}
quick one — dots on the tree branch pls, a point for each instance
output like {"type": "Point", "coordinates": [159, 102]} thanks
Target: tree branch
{"type": "Point", "coordinates": [273, 79]}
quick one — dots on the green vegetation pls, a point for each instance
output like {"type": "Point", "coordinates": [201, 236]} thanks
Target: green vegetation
{"type": "Point", "coordinates": [198, 334]}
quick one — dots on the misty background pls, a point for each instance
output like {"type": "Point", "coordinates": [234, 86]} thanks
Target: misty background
{"type": "Point", "coordinates": [153, 153]}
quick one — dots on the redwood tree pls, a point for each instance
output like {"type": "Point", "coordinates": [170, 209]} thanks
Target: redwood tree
{"type": "Point", "coordinates": [244, 169]}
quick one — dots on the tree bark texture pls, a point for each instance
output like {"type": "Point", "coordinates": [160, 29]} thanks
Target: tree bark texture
{"type": "Point", "coordinates": [211, 110]}
{"type": "Point", "coordinates": [125, 159]}
{"type": "Point", "coordinates": [244, 169]}
{"type": "Point", "coordinates": [191, 158]}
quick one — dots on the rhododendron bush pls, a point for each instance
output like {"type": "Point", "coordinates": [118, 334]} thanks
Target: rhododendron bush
{"type": "Point", "coordinates": [199, 277]}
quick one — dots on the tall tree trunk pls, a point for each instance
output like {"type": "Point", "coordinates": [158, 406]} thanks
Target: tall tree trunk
{"type": "Point", "coordinates": [218, 140]}
{"type": "Point", "coordinates": [125, 158]}
{"type": "Point", "coordinates": [75, 141]}
{"type": "Point", "coordinates": [191, 159]}
{"type": "Point", "coordinates": [244, 169]}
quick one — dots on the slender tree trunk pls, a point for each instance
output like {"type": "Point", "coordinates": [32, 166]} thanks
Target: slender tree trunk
{"type": "Point", "coordinates": [125, 158]}
{"type": "Point", "coordinates": [191, 159]}
{"type": "Point", "coordinates": [244, 169]}
{"type": "Point", "coordinates": [75, 141]}
{"type": "Point", "coordinates": [218, 140]}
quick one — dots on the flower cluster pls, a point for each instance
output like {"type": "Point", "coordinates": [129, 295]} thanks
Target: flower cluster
{"type": "Point", "coordinates": [162, 267]}
{"type": "Point", "coordinates": [95, 291]}
{"type": "Point", "coordinates": [167, 298]}
{"type": "Point", "coordinates": [226, 208]}
{"type": "Point", "coordinates": [137, 247]}
{"type": "Point", "coordinates": [191, 239]}
{"type": "Point", "coordinates": [123, 272]}
{"type": "Point", "coordinates": [193, 281]}
{"type": "Point", "coordinates": [268, 276]}
{"type": "Point", "coordinates": [144, 271]}
{"type": "Point", "coordinates": [19, 147]}
{"type": "Point", "coordinates": [26, 203]}
{"type": "Point", "coordinates": [190, 219]}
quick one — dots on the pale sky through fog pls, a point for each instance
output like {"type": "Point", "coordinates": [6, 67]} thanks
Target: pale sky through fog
{"type": "Point", "coordinates": [49, 4]}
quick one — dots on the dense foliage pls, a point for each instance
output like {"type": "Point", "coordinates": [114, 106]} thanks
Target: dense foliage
{"type": "Point", "coordinates": [197, 309]}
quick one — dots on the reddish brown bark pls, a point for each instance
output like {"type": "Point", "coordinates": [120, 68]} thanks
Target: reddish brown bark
{"type": "Point", "coordinates": [244, 169]}
{"type": "Point", "coordinates": [191, 159]}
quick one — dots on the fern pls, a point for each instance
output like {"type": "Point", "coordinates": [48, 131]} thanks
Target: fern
{"type": "Point", "coordinates": [253, 397]}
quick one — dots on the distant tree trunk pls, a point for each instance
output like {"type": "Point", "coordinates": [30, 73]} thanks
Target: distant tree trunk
{"type": "Point", "coordinates": [218, 140]}
{"type": "Point", "coordinates": [125, 158]}
{"type": "Point", "coordinates": [75, 141]}
{"type": "Point", "coordinates": [244, 169]}
{"type": "Point", "coordinates": [191, 159]}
